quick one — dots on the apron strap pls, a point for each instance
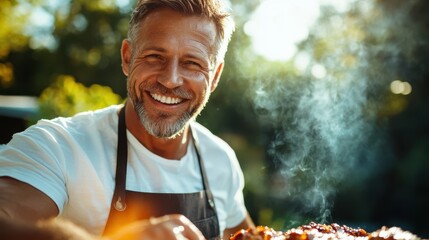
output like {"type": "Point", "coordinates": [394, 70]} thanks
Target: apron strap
{"type": "Point", "coordinates": [209, 194]}
{"type": "Point", "coordinates": [121, 164]}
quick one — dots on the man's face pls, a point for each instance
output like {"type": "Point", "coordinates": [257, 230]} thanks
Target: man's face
{"type": "Point", "coordinates": [170, 76]}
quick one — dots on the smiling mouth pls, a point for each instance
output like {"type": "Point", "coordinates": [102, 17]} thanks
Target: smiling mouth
{"type": "Point", "coordinates": [166, 99]}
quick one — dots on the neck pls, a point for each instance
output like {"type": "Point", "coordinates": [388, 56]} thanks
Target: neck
{"type": "Point", "coordinates": [173, 149]}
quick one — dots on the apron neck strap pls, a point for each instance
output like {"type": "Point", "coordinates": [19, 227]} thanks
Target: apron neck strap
{"type": "Point", "coordinates": [121, 164]}
{"type": "Point", "coordinates": [209, 194]}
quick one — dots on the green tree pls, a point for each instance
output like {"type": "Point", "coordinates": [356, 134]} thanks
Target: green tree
{"type": "Point", "coordinates": [66, 97]}
{"type": "Point", "coordinates": [12, 24]}
{"type": "Point", "coordinates": [82, 40]}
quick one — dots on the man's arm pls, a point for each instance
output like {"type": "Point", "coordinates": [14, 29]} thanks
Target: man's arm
{"type": "Point", "coordinates": [21, 201]}
{"type": "Point", "coordinates": [246, 223]}
{"type": "Point", "coordinates": [53, 229]}
{"type": "Point", "coordinates": [27, 213]}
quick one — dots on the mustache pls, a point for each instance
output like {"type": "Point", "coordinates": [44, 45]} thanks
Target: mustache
{"type": "Point", "coordinates": [179, 92]}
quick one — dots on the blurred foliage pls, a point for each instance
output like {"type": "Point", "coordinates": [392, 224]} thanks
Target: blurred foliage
{"type": "Point", "coordinates": [260, 107]}
{"type": "Point", "coordinates": [66, 97]}
{"type": "Point", "coordinates": [82, 40]}
{"type": "Point", "coordinates": [12, 24]}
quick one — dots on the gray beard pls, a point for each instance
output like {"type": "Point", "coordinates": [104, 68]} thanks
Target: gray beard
{"type": "Point", "coordinates": [160, 127]}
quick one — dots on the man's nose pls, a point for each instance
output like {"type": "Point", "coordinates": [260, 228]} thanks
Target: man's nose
{"type": "Point", "coordinates": [170, 76]}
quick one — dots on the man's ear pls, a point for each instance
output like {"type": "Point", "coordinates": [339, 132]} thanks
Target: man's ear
{"type": "Point", "coordinates": [216, 77]}
{"type": "Point", "coordinates": [126, 56]}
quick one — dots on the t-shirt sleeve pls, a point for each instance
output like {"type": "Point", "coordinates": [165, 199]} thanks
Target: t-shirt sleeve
{"type": "Point", "coordinates": [34, 157]}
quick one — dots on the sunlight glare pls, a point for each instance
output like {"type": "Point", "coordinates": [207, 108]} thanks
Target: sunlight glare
{"type": "Point", "coordinates": [277, 26]}
{"type": "Point", "coordinates": [400, 87]}
{"type": "Point", "coordinates": [318, 71]}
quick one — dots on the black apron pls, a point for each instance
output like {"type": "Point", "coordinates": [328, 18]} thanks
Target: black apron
{"type": "Point", "coordinates": [129, 206]}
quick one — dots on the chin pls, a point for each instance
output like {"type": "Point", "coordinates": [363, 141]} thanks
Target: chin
{"type": "Point", "coordinates": [165, 129]}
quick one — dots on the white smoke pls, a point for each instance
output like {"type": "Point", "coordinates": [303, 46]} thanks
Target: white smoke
{"type": "Point", "coordinates": [322, 129]}
{"type": "Point", "coordinates": [325, 117]}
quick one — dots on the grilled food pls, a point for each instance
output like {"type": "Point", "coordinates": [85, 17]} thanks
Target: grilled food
{"type": "Point", "coordinates": [316, 231]}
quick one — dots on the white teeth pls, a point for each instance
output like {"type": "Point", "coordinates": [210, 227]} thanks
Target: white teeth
{"type": "Point", "coordinates": [166, 100]}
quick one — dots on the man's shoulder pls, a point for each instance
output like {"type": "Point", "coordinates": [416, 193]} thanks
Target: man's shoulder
{"type": "Point", "coordinates": [85, 118]}
{"type": "Point", "coordinates": [102, 122]}
{"type": "Point", "coordinates": [204, 133]}
{"type": "Point", "coordinates": [208, 140]}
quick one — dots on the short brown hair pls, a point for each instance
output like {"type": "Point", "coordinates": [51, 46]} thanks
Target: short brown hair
{"type": "Point", "coordinates": [214, 10]}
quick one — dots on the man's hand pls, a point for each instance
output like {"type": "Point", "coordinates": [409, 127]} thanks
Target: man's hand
{"type": "Point", "coordinates": [246, 223]}
{"type": "Point", "coordinates": [167, 227]}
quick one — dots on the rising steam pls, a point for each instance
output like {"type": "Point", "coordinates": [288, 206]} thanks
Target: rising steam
{"type": "Point", "coordinates": [321, 131]}
{"type": "Point", "coordinates": [325, 124]}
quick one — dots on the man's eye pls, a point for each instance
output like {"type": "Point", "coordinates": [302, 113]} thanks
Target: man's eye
{"type": "Point", "coordinates": [153, 58]}
{"type": "Point", "coordinates": [192, 65]}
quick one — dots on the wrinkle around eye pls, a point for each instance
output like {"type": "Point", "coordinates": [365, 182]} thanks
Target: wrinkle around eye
{"type": "Point", "coordinates": [193, 65]}
{"type": "Point", "coordinates": [150, 60]}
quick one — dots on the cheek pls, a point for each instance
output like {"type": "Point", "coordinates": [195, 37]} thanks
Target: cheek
{"type": "Point", "coordinates": [202, 90]}
{"type": "Point", "coordinates": [134, 86]}
{"type": "Point", "coordinates": [202, 82]}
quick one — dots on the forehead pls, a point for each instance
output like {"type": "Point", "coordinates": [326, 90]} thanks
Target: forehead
{"type": "Point", "coordinates": [171, 28]}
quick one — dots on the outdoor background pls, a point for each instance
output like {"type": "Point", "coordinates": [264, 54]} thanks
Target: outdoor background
{"type": "Point", "coordinates": [326, 104]}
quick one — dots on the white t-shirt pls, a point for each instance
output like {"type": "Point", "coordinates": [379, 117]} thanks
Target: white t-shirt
{"type": "Point", "coordinates": [73, 161]}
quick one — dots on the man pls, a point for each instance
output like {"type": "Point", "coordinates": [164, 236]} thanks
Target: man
{"type": "Point", "coordinates": [145, 170]}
